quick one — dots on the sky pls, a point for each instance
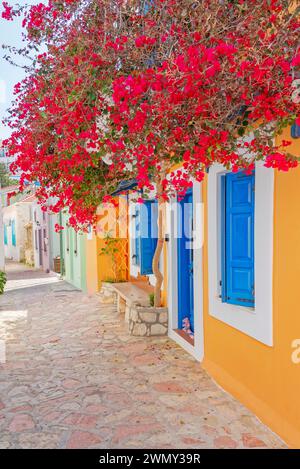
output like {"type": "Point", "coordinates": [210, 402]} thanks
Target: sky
{"type": "Point", "coordinates": [10, 34]}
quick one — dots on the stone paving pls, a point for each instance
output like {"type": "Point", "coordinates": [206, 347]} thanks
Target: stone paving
{"type": "Point", "coordinates": [74, 378]}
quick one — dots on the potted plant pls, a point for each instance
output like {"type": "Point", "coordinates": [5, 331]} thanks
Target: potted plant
{"type": "Point", "coordinates": [2, 281]}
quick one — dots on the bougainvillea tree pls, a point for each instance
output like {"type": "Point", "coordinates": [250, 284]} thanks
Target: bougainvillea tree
{"type": "Point", "coordinates": [129, 88]}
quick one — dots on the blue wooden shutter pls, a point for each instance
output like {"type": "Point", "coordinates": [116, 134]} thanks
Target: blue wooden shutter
{"type": "Point", "coordinates": [5, 234]}
{"type": "Point", "coordinates": [148, 235]}
{"type": "Point", "coordinates": [223, 239]}
{"type": "Point", "coordinates": [295, 131]}
{"type": "Point", "coordinates": [13, 232]}
{"type": "Point", "coordinates": [238, 285]}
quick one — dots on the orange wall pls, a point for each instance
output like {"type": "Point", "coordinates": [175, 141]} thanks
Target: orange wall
{"type": "Point", "coordinates": [100, 266]}
{"type": "Point", "coordinates": [264, 378]}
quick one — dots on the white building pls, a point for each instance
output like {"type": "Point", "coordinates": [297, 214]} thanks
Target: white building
{"type": "Point", "coordinates": [16, 219]}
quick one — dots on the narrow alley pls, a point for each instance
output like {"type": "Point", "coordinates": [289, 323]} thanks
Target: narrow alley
{"type": "Point", "coordinates": [72, 377]}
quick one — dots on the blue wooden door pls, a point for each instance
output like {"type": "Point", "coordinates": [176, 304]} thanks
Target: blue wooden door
{"type": "Point", "coordinates": [238, 259]}
{"type": "Point", "coordinates": [185, 261]}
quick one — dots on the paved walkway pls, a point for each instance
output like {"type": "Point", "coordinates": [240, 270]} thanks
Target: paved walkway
{"type": "Point", "coordinates": [74, 378]}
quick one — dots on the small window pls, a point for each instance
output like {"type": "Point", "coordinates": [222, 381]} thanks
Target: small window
{"type": "Point", "coordinates": [295, 131]}
{"type": "Point", "coordinates": [237, 238]}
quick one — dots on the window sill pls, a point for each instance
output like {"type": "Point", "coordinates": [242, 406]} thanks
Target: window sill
{"type": "Point", "coordinates": [220, 309]}
{"type": "Point", "coordinates": [235, 308]}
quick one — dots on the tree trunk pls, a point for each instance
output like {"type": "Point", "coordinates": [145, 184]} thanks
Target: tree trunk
{"type": "Point", "coordinates": [160, 244]}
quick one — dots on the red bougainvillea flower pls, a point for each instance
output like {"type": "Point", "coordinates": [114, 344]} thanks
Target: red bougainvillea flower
{"type": "Point", "coordinates": [7, 14]}
{"type": "Point", "coordinates": [128, 92]}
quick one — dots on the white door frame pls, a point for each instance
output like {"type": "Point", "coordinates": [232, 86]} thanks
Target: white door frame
{"type": "Point", "coordinates": [196, 350]}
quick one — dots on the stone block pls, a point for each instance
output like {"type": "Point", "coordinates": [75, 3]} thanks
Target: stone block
{"type": "Point", "coordinates": [148, 317]}
{"type": "Point", "coordinates": [163, 317]}
{"type": "Point", "coordinates": [133, 315]}
{"type": "Point", "coordinates": [158, 329]}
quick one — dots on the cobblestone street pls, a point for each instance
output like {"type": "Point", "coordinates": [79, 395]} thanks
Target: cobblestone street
{"type": "Point", "coordinates": [72, 377]}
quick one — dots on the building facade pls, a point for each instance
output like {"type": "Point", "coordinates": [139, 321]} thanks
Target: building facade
{"type": "Point", "coordinates": [231, 265]}
{"type": "Point", "coordinates": [233, 278]}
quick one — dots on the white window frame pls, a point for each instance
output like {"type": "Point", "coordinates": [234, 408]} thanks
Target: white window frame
{"type": "Point", "coordinates": [256, 322]}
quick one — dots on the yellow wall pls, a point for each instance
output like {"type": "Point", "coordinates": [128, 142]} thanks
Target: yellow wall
{"type": "Point", "coordinates": [264, 378]}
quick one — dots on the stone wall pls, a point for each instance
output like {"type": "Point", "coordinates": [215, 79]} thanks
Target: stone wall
{"type": "Point", "coordinates": [147, 321]}
{"type": "Point", "coordinates": [144, 321]}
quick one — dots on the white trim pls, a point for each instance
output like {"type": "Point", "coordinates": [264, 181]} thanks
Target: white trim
{"type": "Point", "coordinates": [196, 350]}
{"type": "Point", "coordinates": [256, 322]}
{"type": "Point", "coordinates": [134, 269]}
